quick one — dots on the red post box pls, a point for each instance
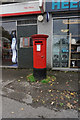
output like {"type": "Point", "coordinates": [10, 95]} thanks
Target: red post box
{"type": "Point", "coordinates": [39, 56]}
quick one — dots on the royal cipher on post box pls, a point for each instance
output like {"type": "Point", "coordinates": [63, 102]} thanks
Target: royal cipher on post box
{"type": "Point", "coordinates": [39, 56]}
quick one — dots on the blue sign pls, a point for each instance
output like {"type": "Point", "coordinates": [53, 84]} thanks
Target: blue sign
{"type": "Point", "coordinates": [62, 5]}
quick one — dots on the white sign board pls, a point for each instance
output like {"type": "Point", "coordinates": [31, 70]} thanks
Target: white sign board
{"type": "Point", "coordinates": [20, 8]}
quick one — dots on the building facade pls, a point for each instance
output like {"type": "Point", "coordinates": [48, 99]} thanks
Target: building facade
{"type": "Point", "coordinates": [60, 20]}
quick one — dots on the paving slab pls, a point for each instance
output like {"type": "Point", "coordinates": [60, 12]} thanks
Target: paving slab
{"type": "Point", "coordinates": [57, 99]}
{"type": "Point", "coordinates": [16, 109]}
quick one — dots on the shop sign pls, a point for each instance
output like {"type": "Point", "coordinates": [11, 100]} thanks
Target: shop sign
{"type": "Point", "coordinates": [62, 5]}
{"type": "Point", "coordinates": [20, 8]}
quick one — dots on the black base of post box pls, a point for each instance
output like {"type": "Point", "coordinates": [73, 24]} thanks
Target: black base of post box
{"type": "Point", "coordinates": [39, 74]}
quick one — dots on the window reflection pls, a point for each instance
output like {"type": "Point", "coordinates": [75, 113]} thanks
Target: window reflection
{"type": "Point", "coordinates": [73, 26]}
{"type": "Point", "coordinates": [59, 27]}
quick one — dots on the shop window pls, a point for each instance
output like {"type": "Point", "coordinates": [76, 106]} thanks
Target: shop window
{"type": "Point", "coordinates": [60, 43]}
{"type": "Point", "coordinates": [66, 42]}
{"type": "Point", "coordinates": [7, 28]}
{"type": "Point", "coordinates": [26, 42]}
{"type": "Point", "coordinates": [74, 28]}
{"type": "Point", "coordinates": [60, 51]}
{"type": "Point", "coordinates": [59, 28]}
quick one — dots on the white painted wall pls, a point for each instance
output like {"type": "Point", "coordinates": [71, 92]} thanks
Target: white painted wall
{"type": "Point", "coordinates": [45, 27]}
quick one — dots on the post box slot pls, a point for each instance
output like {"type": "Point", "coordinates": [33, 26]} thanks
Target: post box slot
{"type": "Point", "coordinates": [38, 41]}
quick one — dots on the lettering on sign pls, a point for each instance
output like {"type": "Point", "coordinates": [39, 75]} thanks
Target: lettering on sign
{"type": "Point", "coordinates": [28, 7]}
{"type": "Point", "coordinates": [65, 4]}
{"type": "Point", "coordinates": [62, 5]}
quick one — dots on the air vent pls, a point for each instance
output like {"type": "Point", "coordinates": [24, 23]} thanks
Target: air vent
{"type": "Point", "coordinates": [30, 21]}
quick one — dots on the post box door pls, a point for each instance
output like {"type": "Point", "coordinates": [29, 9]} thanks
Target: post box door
{"type": "Point", "coordinates": [40, 54]}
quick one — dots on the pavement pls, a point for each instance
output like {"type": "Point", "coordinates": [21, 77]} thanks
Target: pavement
{"type": "Point", "coordinates": [24, 99]}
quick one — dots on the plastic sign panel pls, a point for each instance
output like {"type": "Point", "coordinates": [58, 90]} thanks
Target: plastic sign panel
{"type": "Point", "coordinates": [22, 8]}
{"type": "Point", "coordinates": [62, 5]}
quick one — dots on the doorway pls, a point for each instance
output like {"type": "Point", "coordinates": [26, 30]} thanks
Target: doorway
{"type": "Point", "coordinates": [7, 28]}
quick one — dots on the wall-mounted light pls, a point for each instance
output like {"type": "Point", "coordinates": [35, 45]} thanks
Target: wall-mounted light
{"type": "Point", "coordinates": [40, 18]}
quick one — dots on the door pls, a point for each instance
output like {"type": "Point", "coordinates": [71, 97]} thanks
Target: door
{"type": "Point", "coordinates": [25, 54]}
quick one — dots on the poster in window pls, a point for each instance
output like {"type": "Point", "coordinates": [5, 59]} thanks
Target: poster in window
{"type": "Point", "coordinates": [24, 42]}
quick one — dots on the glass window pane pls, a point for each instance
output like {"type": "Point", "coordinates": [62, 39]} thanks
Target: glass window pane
{"type": "Point", "coordinates": [62, 30]}
{"type": "Point", "coordinates": [60, 43]}
{"type": "Point", "coordinates": [59, 28]}
{"type": "Point", "coordinates": [7, 28]}
{"type": "Point", "coordinates": [25, 42]}
{"type": "Point", "coordinates": [60, 50]}
{"type": "Point", "coordinates": [74, 25]}
{"type": "Point", "coordinates": [74, 28]}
